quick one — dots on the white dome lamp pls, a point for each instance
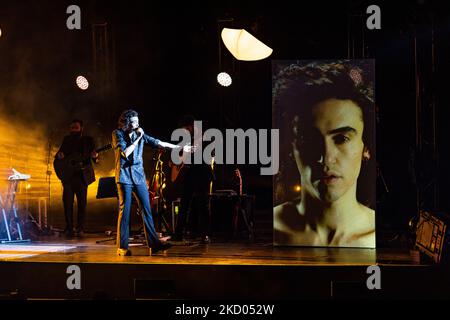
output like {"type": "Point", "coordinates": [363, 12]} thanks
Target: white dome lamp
{"type": "Point", "coordinates": [243, 46]}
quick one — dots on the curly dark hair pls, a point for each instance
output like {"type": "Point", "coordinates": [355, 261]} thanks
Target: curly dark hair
{"type": "Point", "coordinates": [124, 119]}
{"type": "Point", "coordinates": [297, 87]}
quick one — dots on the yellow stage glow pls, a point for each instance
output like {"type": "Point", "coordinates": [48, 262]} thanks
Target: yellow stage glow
{"type": "Point", "coordinates": [24, 150]}
{"type": "Point", "coordinates": [244, 46]}
{"type": "Point", "coordinates": [298, 188]}
{"type": "Point", "coordinates": [10, 248]}
{"type": "Point", "coordinates": [11, 252]}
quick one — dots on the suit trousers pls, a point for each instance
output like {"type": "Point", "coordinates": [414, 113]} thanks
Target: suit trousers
{"type": "Point", "coordinates": [125, 192]}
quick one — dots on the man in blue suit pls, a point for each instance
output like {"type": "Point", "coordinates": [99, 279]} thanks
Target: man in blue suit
{"type": "Point", "coordinates": [128, 142]}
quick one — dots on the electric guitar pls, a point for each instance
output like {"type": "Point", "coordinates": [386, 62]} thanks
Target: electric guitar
{"type": "Point", "coordinates": [65, 168]}
{"type": "Point", "coordinates": [176, 170]}
{"type": "Point", "coordinates": [180, 169]}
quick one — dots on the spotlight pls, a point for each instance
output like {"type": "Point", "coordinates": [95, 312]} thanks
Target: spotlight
{"type": "Point", "coordinates": [82, 83]}
{"type": "Point", "coordinates": [244, 46]}
{"type": "Point", "coordinates": [298, 188]}
{"type": "Point", "coordinates": [224, 79]}
{"type": "Point", "coordinates": [0, 32]}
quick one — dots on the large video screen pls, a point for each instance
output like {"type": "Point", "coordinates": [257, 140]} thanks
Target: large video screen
{"type": "Point", "coordinates": [325, 190]}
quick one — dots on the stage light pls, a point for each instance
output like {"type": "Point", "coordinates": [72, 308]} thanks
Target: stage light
{"type": "Point", "coordinates": [0, 32]}
{"type": "Point", "coordinates": [298, 188]}
{"type": "Point", "coordinates": [244, 46]}
{"type": "Point", "coordinates": [82, 83]}
{"type": "Point", "coordinates": [28, 186]}
{"type": "Point", "coordinates": [224, 79]}
{"type": "Point", "coordinates": [433, 235]}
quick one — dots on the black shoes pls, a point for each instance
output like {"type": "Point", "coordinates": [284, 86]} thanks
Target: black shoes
{"type": "Point", "coordinates": [162, 246]}
{"type": "Point", "coordinates": [68, 234]}
{"type": "Point", "coordinates": [123, 252]}
{"type": "Point", "coordinates": [80, 234]}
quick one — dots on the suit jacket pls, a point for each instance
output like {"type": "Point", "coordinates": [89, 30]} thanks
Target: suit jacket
{"type": "Point", "coordinates": [83, 145]}
{"type": "Point", "coordinates": [130, 170]}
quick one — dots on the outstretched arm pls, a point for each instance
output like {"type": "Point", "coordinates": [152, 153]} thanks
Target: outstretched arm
{"type": "Point", "coordinates": [167, 145]}
{"type": "Point", "coordinates": [156, 143]}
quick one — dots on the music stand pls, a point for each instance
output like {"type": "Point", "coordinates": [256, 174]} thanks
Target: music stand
{"type": "Point", "coordinates": [107, 188]}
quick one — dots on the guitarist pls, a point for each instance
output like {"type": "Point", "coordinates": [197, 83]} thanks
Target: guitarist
{"type": "Point", "coordinates": [77, 183]}
{"type": "Point", "coordinates": [195, 187]}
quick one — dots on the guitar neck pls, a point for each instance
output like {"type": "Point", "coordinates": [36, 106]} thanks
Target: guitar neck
{"type": "Point", "coordinates": [104, 148]}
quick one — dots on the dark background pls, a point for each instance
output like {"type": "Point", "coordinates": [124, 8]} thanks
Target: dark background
{"type": "Point", "coordinates": [164, 58]}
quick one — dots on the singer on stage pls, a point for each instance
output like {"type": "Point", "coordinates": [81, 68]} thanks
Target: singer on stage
{"type": "Point", "coordinates": [128, 143]}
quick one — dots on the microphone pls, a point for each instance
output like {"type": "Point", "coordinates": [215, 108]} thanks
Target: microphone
{"type": "Point", "coordinates": [137, 131]}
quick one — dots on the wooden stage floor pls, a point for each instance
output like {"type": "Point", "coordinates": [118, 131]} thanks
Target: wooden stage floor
{"type": "Point", "coordinates": [86, 250]}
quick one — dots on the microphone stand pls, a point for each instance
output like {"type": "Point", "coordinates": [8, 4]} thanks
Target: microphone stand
{"type": "Point", "coordinates": [49, 172]}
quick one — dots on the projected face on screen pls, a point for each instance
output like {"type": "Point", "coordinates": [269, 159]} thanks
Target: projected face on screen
{"type": "Point", "coordinates": [325, 111]}
{"type": "Point", "coordinates": [329, 152]}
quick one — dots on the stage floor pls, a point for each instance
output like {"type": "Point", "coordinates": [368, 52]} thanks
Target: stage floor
{"type": "Point", "coordinates": [220, 270]}
{"type": "Point", "coordinates": [86, 250]}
